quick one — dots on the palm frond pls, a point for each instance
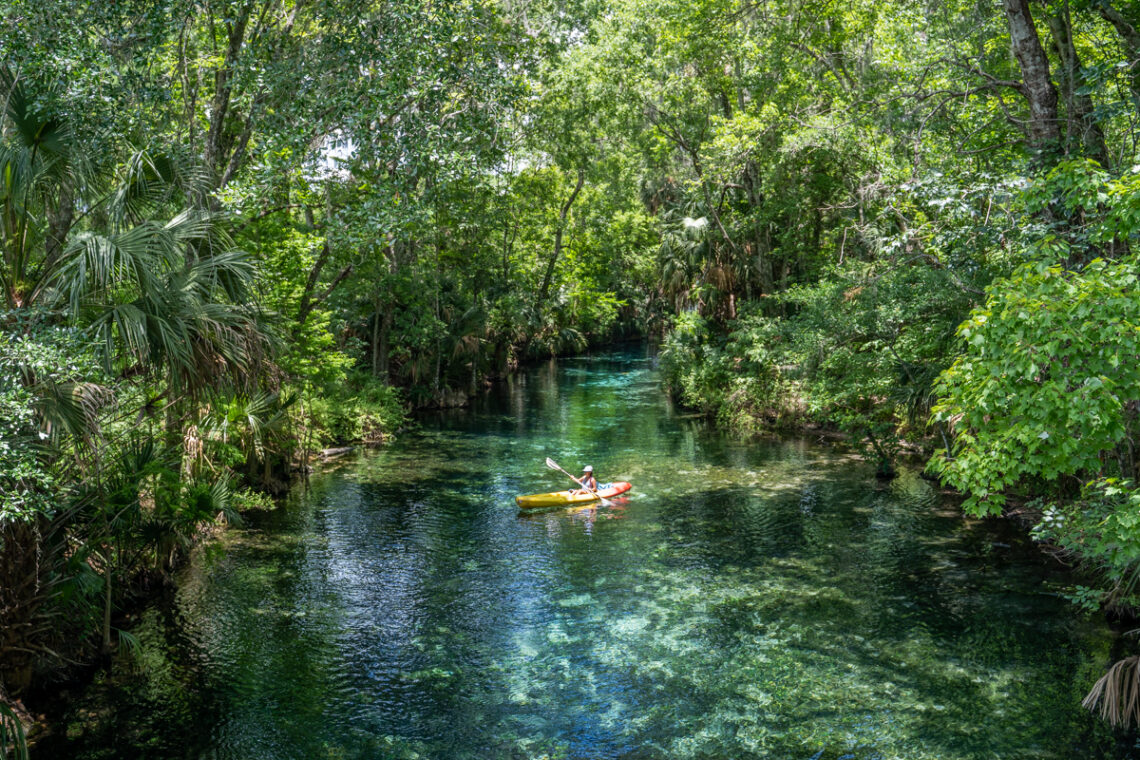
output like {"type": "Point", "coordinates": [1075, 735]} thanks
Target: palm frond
{"type": "Point", "coordinates": [72, 408]}
{"type": "Point", "coordinates": [152, 180]}
{"type": "Point", "coordinates": [32, 128]}
{"type": "Point", "coordinates": [13, 743]}
{"type": "Point", "coordinates": [1116, 695]}
{"type": "Point", "coordinates": [128, 642]}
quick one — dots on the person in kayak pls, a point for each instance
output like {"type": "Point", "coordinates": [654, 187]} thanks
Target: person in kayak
{"type": "Point", "coordinates": [588, 482]}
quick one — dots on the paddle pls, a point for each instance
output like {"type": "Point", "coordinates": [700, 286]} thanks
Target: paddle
{"type": "Point", "coordinates": [554, 466]}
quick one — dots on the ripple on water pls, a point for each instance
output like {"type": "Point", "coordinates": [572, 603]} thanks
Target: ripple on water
{"type": "Point", "coordinates": [748, 600]}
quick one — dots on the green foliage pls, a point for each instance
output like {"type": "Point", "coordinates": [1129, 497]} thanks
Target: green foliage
{"type": "Point", "coordinates": [361, 411]}
{"type": "Point", "coordinates": [249, 500]}
{"type": "Point", "coordinates": [47, 393]}
{"type": "Point", "coordinates": [759, 392]}
{"type": "Point", "coordinates": [740, 382]}
{"type": "Point", "coordinates": [13, 743]}
{"type": "Point", "coordinates": [691, 367]}
{"type": "Point", "coordinates": [229, 236]}
{"type": "Point", "coordinates": [311, 355]}
{"type": "Point", "coordinates": [1087, 212]}
{"type": "Point", "coordinates": [861, 357]}
{"type": "Point", "coordinates": [1101, 529]}
{"type": "Point", "coordinates": [1045, 387]}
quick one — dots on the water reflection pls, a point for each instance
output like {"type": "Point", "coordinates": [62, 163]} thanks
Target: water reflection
{"type": "Point", "coordinates": [746, 600]}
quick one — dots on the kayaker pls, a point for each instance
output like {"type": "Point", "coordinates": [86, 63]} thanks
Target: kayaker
{"type": "Point", "coordinates": [588, 482]}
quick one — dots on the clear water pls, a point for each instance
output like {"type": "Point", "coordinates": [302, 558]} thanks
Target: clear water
{"type": "Point", "coordinates": [749, 600]}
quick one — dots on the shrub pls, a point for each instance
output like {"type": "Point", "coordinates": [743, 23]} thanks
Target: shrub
{"type": "Point", "coordinates": [363, 410]}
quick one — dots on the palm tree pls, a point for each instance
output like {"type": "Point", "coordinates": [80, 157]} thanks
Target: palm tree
{"type": "Point", "coordinates": [39, 171]}
{"type": "Point", "coordinates": [683, 256]}
{"type": "Point", "coordinates": [255, 423]}
{"type": "Point", "coordinates": [159, 286]}
{"type": "Point", "coordinates": [466, 335]}
{"type": "Point", "coordinates": [130, 254]}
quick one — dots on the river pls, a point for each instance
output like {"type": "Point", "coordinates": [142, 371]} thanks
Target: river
{"type": "Point", "coordinates": [750, 599]}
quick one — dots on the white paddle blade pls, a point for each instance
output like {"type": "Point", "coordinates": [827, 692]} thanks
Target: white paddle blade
{"type": "Point", "coordinates": [552, 464]}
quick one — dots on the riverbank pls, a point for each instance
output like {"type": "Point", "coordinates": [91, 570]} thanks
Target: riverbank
{"type": "Point", "coordinates": [400, 604]}
{"type": "Point", "coordinates": [310, 432]}
{"type": "Point", "coordinates": [237, 464]}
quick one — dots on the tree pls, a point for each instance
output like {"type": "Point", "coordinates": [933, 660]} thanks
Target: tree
{"type": "Point", "coordinates": [1044, 122]}
{"type": "Point", "coordinates": [1046, 388]}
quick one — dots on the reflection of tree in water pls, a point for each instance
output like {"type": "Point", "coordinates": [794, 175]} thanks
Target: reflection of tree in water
{"type": "Point", "coordinates": [748, 599]}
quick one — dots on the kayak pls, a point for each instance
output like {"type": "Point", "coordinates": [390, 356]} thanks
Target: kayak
{"type": "Point", "coordinates": [565, 498]}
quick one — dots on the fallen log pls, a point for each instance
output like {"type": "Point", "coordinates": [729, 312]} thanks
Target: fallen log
{"type": "Point", "coordinates": [327, 454]}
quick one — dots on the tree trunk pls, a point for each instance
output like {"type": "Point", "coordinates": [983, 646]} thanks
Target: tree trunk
{"type": "Point", "coordinates": [375, 343]}
{"type": "Point", "coordinates": [764, 259]}
{"type": "Point", "coordinates": [223, 88]}
{"type": "Point", "coordinates": [380, 363]}
{"type": "Point", "coordinates": [172, 424]}
{"type": "Point", "coordinates": [107, 603]}
{"type": "Point", "coordinates": [546, 278]}
{"type": "Point", "coordinates": [510, 232]}
{"type": "Point", "coordinates": [60, 219]}
{"type": "Point", "coordinates": [698, 169]}
{"type": "Point", "coordinates": [28, 564]}
{"type": "Point", "coordinates": [763, 263]}
{"type": "Point", "coordinates": [387, 315]}
{"type": "Point", "coordinates": [502, 357]}
{"type": "Point", "coordinates": [238, 152]}
{"type": "Point", "coordinates": [308, 301]}
{"type": "Point", "coordinates": [189, 89]}
{"type": "Point", "coordinates": [1081, 124]}
{"type": "Point", "coordinates": [381, 327]}
{"type": "Point", "coordinates": [437, 377]}
{"type": "Point", "coordinates": [1044, 126]}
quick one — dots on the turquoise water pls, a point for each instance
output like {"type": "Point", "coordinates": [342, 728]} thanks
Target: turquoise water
{"type": "Point", "coordinates": [762, 599]}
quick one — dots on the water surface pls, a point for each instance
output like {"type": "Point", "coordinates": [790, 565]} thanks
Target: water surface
{"type": "Point", "coordinates": [749, 600]}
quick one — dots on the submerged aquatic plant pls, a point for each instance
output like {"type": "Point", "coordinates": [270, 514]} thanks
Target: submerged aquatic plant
{"type": "Point", "coordinates": [760, 600]}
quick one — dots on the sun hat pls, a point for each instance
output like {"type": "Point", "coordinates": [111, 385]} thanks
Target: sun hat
{"type": "Point", "coordinates": [587, 468]}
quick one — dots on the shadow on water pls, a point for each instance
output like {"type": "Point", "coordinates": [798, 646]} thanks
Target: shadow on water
{"type": "Point", "coordinates": [746, 600]}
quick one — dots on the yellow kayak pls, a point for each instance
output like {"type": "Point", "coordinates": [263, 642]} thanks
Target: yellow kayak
{"type": "Point", "coordinates": [565, 498]}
